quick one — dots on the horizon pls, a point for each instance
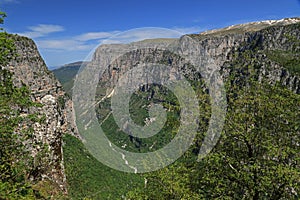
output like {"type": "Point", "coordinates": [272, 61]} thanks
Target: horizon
{"type": "Point", "coordinates": [67, 31]}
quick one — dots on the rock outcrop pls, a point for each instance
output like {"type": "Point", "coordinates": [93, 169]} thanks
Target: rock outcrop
{"type": "Point", "coordinates": [224, 46]}
{"type": "Point", "coordinates": [239, 53]}
{"type": "Point", "coordinates": [29, 69]}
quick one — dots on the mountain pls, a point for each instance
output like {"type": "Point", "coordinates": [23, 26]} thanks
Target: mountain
{"type": "Point", "coordinates": [251, 27]}
{"type": "Point", "coordinates": [256, 156]}
{"type": "Point", "coordinates": [257, 61]}
{"type": "Point", "coordinates": [47, 113]}
{"type": "Point", "coordinates": [228, 40]}
{"type": "Point", "coordinates": [65, 74]}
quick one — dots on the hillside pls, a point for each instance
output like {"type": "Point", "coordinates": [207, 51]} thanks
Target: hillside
{"type": "Point", "coordinates": [247, 58]}
{"type": "Point", "coordinates": [246, 77]}
{"type": "Point", "coordinates": [66, 74]}
{"type": "Point", "coordinates": [233, 34]}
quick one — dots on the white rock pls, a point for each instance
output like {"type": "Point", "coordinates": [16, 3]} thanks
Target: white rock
{"type": "Point", "coordinates": [48, 99]}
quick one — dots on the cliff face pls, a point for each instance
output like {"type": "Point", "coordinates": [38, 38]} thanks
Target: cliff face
{"type": "Point", "coordinates": [29, 68]}
{"type": "Point", "coordinates": [255, 45]}
{"type": "Point", "coordinates": [239, 53]}
{"type": "Point", "coordinates": [261, 41]}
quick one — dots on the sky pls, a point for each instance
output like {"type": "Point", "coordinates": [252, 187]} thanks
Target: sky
{"type": "Point", "coordinates": [66, 31]}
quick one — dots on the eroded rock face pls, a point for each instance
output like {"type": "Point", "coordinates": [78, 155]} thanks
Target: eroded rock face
{"type": "Point", "coordinates": [29, 69]}
{"type": "Point", "coordinates": [222, 46]}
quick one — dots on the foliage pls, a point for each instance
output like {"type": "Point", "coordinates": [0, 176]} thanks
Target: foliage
{"type": "Point", "coordinates": [258, 156]}
{"type": "Point", "coordinates": [172, 182]}
{"type": "Point", "coordinates": [288, 59]}
{"type": "Point", "coordinates": [138, 106]}
{"type": "Point", "coordinates": [16, 132]}
{"type": "Point", "coordinates": [2, 16]}
{"type": "Point", "coordinates": [88, 178]}
{"type": "Point", "coordinates": [14, 162]}
{"type": "Point", "coordinates": [13, 184]}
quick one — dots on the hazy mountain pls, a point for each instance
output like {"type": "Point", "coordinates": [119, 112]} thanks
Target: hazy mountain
{"type": "Point", "coordinates": [66, 73]}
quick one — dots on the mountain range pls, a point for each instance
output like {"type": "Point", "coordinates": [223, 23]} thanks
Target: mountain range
{"type": "Point", "coordinates": [257, 156]}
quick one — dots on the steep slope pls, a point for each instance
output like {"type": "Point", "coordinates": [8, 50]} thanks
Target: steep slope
{"type": "Point", "coordinates": [45, 146]}
{"type": "Point", "coordinates": [263, 39]}
{"type": "Point", "coordinates": [241, 53]}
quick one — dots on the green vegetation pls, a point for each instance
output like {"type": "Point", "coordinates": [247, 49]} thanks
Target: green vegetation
{"type": "Point", "coordinates": [288, 59]}
{"type": "Point", "coordinates": [2, 16]}
{"type": "Point", "coordinates": [138, 106]}
{"type": "Point", "coordinates": [66, 75]}
{"type": "Point", "coordinates": [90, 179]}
{"type": "Point", "coordinates": [14, 160]}
{"type": "Point", "coordinates": [256, 158]}
{"type": "Point", "coordinates": [258, 155]}
{"type": "Point", "coordinates": [17, 166]}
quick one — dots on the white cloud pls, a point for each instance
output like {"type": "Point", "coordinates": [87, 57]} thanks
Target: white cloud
{"type": "Point", "coordinates": [61, 50]}
{"type": "Point", "coordinates": [142, 34]}
{"type": "Point", "coordinates": [151, 33]}
{"type": "Point", "coordinates": [95, 35]}
{"type": "Point", "coordinates": [64, 44]}
{"type": "Point", "coordinates": [87, 41]}
{"type": "Point", "coordinates": [76, 43]}
{"type": "Point", "coordinates": [42, 30]}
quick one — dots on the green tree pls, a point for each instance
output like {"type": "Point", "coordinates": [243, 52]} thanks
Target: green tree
{"type": "Point", "coordinates": [2, 16]}
{"type": "Point", "coordinates": [256, 158]}
{"type": "Point", "coordinates": [17, 166]}
{"type": "Point", "coordinates": [12, 184]}
{"type": "Point", "coordinates": [258, 155]}
{"type": "Point", "coordinates": [14, 159]}
{"type": "Point", "coordinates": [172, 182]}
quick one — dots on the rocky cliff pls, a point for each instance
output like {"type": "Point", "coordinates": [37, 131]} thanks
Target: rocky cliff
{"type": "Point", "coordinates": [228, 57]}
{"type": "Point", "coordinates": [29, 69]}
{"type": "Point", "coordinates": [241, 50]}
{"type": "Point", "coordinates": [263, 42]}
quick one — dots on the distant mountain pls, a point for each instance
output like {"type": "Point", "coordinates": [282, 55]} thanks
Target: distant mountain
{"type": "Point", "coordinates": [66, 73]}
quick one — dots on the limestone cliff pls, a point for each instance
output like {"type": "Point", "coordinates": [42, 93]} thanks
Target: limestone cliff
{"type": "Point", "coordinates": [29, 68]}
{"type": "Point", "coordinates": [226, 47]}
{"type": "Point", "coordinates": [239, 53]}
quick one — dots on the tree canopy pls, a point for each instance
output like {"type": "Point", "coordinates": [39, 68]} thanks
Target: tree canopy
{"type": "Point", "coordinates": [257, 156]}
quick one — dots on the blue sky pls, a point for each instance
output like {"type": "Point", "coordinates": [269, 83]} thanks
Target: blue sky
{"type": "Point", "coordinates": [67, 30]}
